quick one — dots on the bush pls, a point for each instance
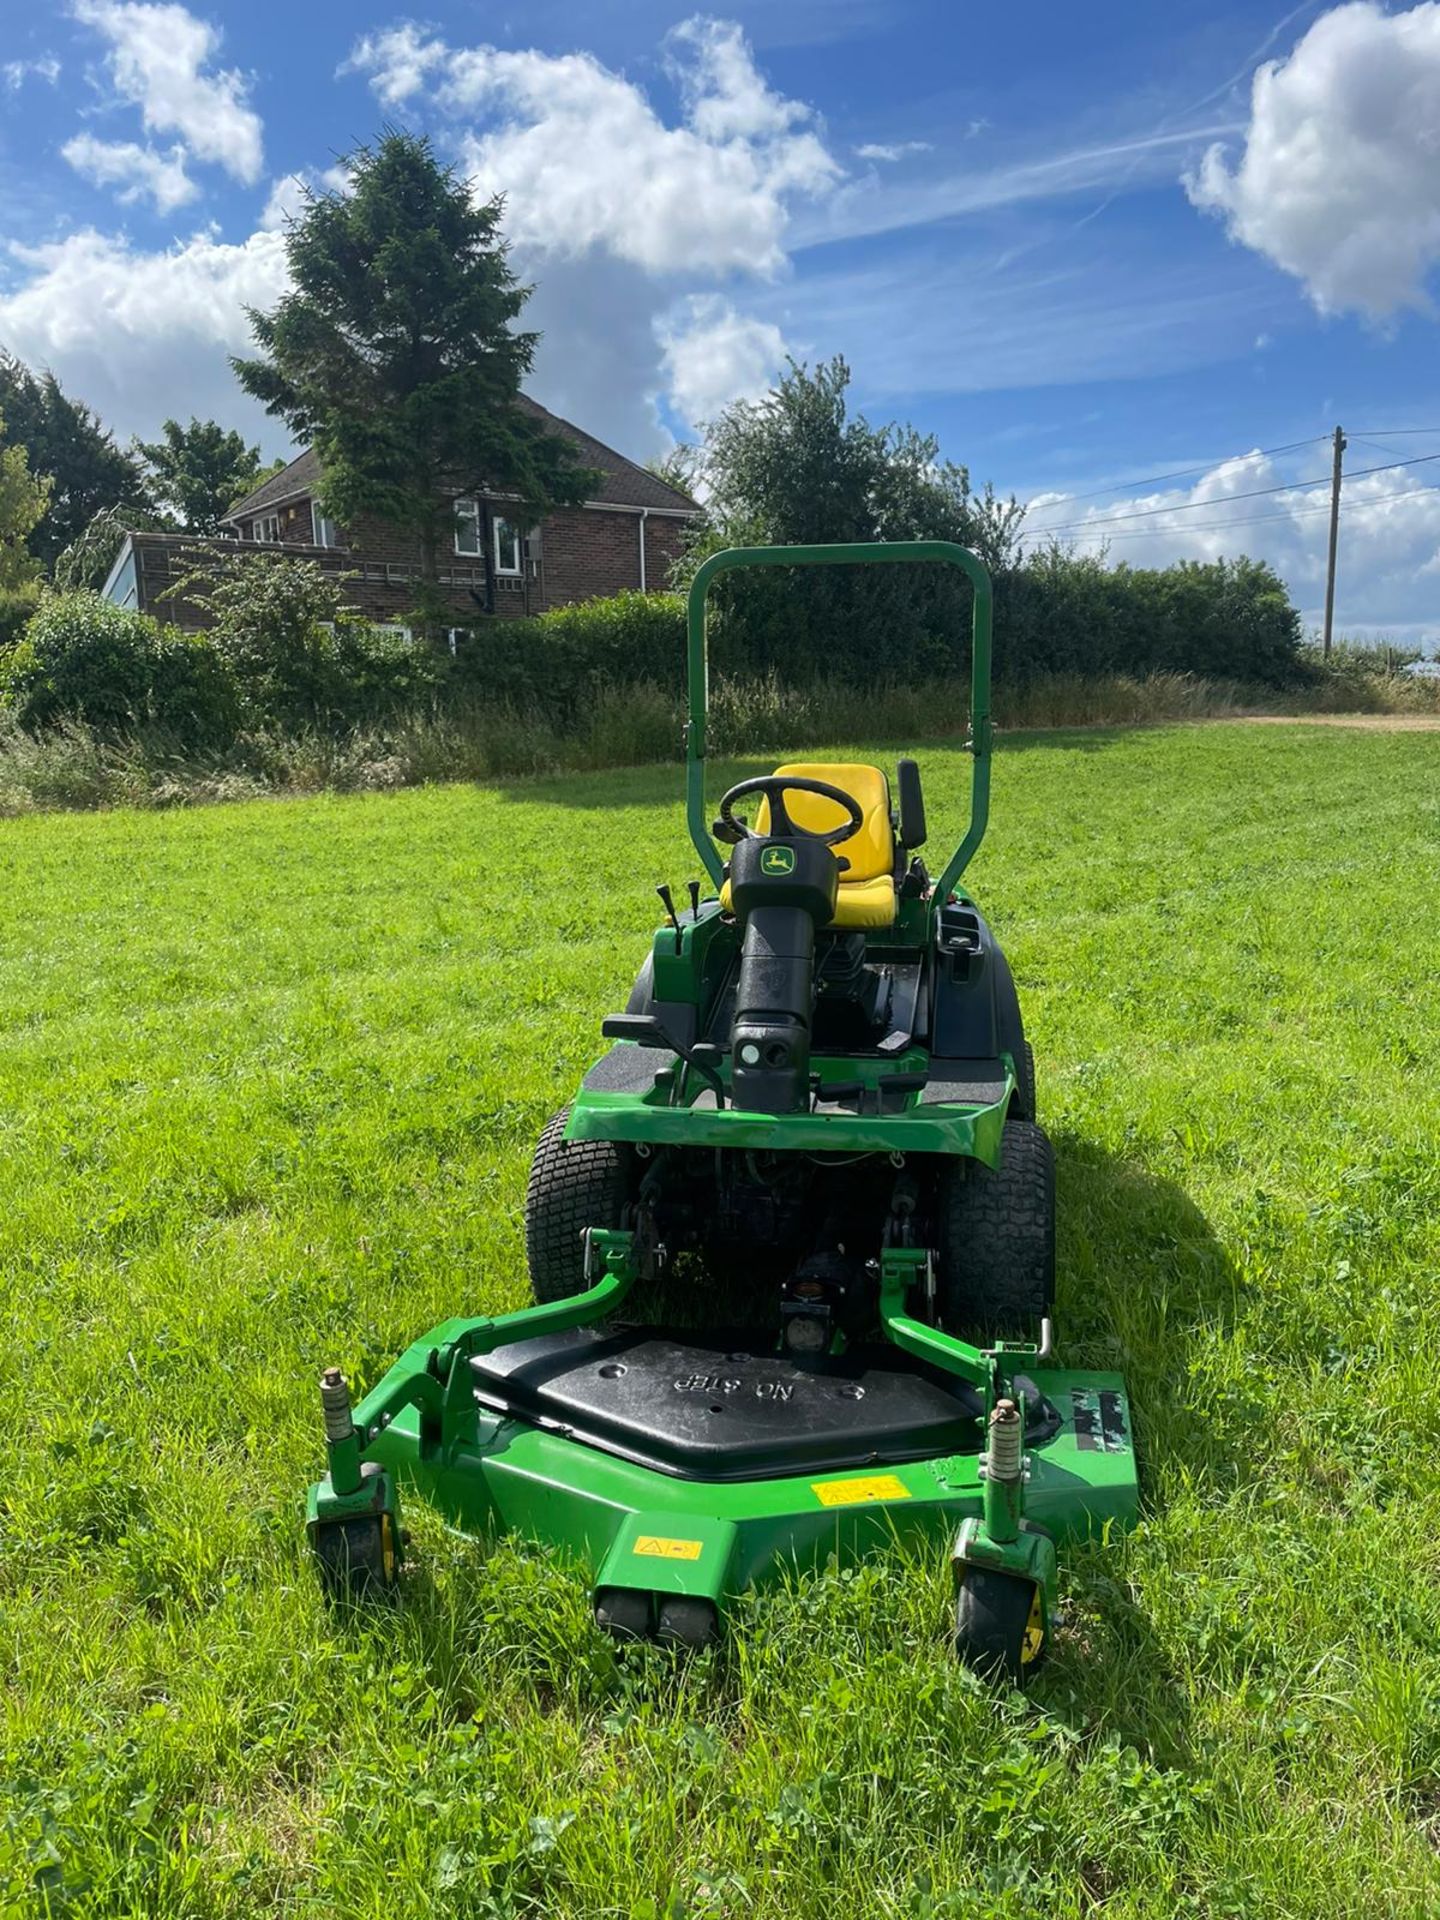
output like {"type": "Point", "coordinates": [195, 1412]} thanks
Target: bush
{"type": "Point", "coordinates": [17, 606]}
{"type": "Point", "coordinates": [82, 658]}
{"type": "Point", "coordinates": [557, 663]}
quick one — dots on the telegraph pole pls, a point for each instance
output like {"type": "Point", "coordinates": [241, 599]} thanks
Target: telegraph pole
{"type": "Point", "coordinates": [1334, 540]}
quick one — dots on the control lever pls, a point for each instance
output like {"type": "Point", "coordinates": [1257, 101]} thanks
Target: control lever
{"type": "Point", "coordinates": [694, 888]}
{"type": "Point", "coordinates": [669, 905]}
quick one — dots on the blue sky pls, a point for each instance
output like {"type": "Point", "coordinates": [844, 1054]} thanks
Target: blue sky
{"type": "Point", "coordinates": [1085, 247]}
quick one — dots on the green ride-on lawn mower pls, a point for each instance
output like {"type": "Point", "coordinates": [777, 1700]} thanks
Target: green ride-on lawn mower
{"type": "Point", "coordinates": [818, 1111]}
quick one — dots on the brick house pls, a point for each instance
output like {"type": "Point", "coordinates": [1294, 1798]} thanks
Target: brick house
{"type": "Point", "coordinates": [627, 536]}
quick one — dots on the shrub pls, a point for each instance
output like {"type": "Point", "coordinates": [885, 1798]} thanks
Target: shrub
{"type": "Point", "coordinates": [17, 605]}
{"type": "Point", "coordinates": [82, 658]}
{"type": "Point", "coordinates": [557, 663]}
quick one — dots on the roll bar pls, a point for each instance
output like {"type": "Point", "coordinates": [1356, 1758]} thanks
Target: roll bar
{"type": "Point", "coordinates": [844, 554]}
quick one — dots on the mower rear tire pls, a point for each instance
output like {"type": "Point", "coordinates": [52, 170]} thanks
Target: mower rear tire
{"type": "Point", "coordinates": [996, 1233]}
{"type": "Point", "coordinates": [999, 1625]}
{"type": "Point", "coordinates": [692, 1624]}
{"type": "Point", "coordinates": [623, 1613]}
{"type": "Point", "coordinates": [357, 1560]}
{"type": "Point", "coordinates": [574, 1184]}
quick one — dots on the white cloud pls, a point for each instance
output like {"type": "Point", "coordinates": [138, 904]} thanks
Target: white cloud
{"type": "Point", "coordinates": [589, 165]}
{"type": "Point", "coordinates": [1389, 533]}
{"type": "Point", "coordinates": [1339, 182]}
{"type": "Point", "coordinates": [139, 334]}
{"type": "Point", "coordinates": [609, 206]}
{"type": "Point", "coordinates": [134, 171]}
{"type": "Point", "coordinates": [16, 72]}
{"type": "Point", "coordinates": [713, 354]}
{"type": "Point", "coordinates": [877, 150]}
{"type": "Point", "coordinates": [158, 55]}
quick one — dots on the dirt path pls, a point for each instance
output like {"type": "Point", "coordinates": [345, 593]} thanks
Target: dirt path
{"type": "Point", "coordinates": [1369, 722]}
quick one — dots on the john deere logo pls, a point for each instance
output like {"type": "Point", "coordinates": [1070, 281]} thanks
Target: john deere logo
{"type": "Point", "coordinates": [777, 860]}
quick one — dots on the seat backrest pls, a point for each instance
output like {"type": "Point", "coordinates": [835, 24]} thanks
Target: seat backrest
{"type": "Point", "coordinates": [871, 849]}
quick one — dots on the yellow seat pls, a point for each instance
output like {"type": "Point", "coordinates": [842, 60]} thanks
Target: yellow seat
{"type": "Point", "coordinates": [867, 886]}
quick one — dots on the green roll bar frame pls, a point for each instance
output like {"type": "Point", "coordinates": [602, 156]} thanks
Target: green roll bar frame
{"type": "Point", "coordinates": [854, 553]}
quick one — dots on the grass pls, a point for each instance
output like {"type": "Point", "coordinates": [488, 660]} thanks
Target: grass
{"type": "Point", "coordinates": [72, 766]}
{"type": "Point", "coordinates": [268, 1081]}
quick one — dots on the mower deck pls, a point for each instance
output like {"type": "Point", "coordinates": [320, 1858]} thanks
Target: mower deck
{"type": "Point", "coordinates": [569, 1473]}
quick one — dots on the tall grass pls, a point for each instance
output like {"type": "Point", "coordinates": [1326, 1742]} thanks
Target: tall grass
{"type": "Point", "coordinates": [72, 766]}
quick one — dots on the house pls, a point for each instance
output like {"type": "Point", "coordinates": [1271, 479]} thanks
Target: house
{"type": "Point", "coordinates": [627, 536]}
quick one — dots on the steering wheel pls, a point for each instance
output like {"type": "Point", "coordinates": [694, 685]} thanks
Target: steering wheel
{"type": "Point", "coordinates": [774, 787]}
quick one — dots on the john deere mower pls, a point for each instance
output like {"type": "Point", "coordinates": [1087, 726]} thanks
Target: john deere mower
{"type": "Point", "coordinates": [813, 1141]}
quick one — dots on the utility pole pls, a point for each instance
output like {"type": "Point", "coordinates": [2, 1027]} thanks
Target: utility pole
{"type": "Point", "coordinates": [1334, 540]}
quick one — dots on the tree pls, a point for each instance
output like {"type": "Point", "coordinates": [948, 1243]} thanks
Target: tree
{"type": "Point", "coordinates": [395, 355]}
{"type": "Point", "coordinates": [85, 564]}
{"type": "Point", "coordinates": [796, 468]}
{"type": "Point", "coordinates": [68, 446]}
{"type": "Point", "coordinates": [199, 472]}
{"type": "Point", "coordinates": [23, 499]}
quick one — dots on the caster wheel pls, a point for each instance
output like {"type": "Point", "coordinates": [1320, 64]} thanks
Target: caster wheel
{"type": "Point", "coordinates": [358, 1559]}
{"type": "Point", "coordinates": [1000, 1626]}
{"type": "Point", "coordinates": [623, 1613]}
{"type": "Point", "coordinates": [688, 1623]}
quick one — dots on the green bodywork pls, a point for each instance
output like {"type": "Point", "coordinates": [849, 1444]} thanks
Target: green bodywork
{"type": "Point", "coordinates": [640, 1529]}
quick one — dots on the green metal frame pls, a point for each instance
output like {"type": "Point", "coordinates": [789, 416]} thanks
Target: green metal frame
{"type": "Point", "coordinates": [855, 553]}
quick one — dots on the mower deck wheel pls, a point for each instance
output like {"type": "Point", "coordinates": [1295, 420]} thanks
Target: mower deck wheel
{"type": "Point", "coordinates": [623, 1613]}
{"type": "Point", "coordinates": [357, 1559]}
{"type": "Point", "coordinates": [687, 1623]}
{"type": "Point", "coordinates": [999, 1625]}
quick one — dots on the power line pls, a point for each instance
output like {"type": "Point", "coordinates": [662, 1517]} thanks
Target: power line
{"type": "Point", "coordinates": [1254, 493]}
{"type": "Point", "coordinates": [1390, 433]}
{"type": "Point", "coordinates": [1263, 519]}
{"type": "Point", "coordinates": [1182, 473]}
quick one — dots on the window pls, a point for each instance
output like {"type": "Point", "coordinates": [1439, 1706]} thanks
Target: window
{"type": "Point", "coordinates": [326, 533]}
{"type": "Point", "coordinates": [267, 527]}
{"type": "Point", "coordinates": [507, 546]}
{"type": "Point", "coordinates": [391, 627]}
{"type": "Point", "coordinates": [467, 526]}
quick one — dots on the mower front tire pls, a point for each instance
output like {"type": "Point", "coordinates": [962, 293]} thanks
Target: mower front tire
{"type": "Point", "coordinates": [574, 1184]}
{"type": "Point", "coordinates": [358, 1559]}
{"type": "Point", "coordinates": [999, 1625]}
{"type": "Point", "coordinates": [997, 1238]}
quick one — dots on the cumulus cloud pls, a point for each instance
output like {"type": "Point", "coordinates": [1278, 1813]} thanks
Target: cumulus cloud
{"type": "Point", "coordinates": [130, 329]}
{"type": "Point", "coordinates": [1389, 533]}
{"type": "Point", "coordinates": [713, 354]}
{"type": "Point", "coordinates": [160, 58]}
{"type": "Point", "coordinates": [1339, 180]}
{"type": "Point", "coordinates": [133, 171]}
{"type": "Point", "coordinates": [589, 165]}
{"type": "Point", "coordinates": [609, 205]}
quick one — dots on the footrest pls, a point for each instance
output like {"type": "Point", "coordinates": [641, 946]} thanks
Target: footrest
{"type": "Point", "coordinates": [712, 1407]}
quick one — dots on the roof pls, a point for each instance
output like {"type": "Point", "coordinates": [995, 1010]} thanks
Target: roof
{"type": "Point", "coordinates": [301, 476]}
{"type": "Point", "coordinates": [622, 482]}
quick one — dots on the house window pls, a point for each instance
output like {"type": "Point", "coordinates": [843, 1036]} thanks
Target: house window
{"type": "Point", "coordinates": [391, 627]}
{"type": "Point", "coordinates": [267, 528]}
{"type": "Point", "coordinates": [325, 532]}
{"type": "Point", "coordinates": [507, 546]}
{"type": "Point", "coordinates": [467, 526]}
{"type": "Point", "coordinates": [508, 554]}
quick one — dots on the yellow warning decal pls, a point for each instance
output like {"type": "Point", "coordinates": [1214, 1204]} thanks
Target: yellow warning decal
{"type": "Point", "coordinates": [850, 1493]}
{"type": "Point", "coordinates": [658, 1547]}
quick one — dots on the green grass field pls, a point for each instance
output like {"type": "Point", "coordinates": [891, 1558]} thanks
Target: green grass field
{"type": "Point", "coordinates": [269, 1077]}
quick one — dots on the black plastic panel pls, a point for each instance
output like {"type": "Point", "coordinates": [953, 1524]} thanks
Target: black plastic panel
{"type": "Point", "coordinates": [627, 1069]}
{"type": "Point", "coordinates": [964, 1083]}
{"type": "Point", "coordinates": [709, 1408]}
